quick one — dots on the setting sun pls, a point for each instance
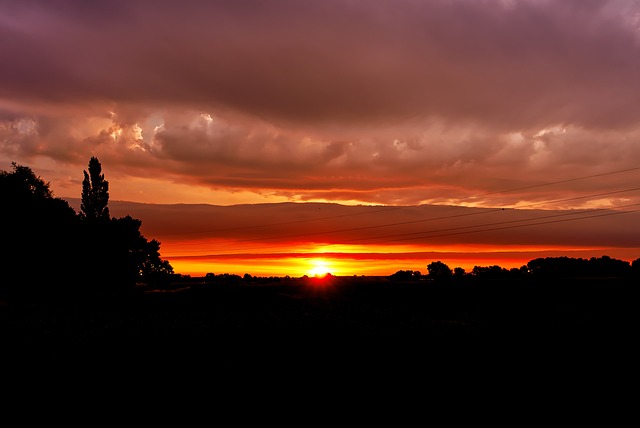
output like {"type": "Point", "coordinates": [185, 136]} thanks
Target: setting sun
{"type": "Point", "coordinates": [319, 268]}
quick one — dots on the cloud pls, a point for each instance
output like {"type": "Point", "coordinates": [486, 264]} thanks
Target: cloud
{"type": "Point", "coordinates": [278, 226]}
{"type": "Point", "coordinates": [380, 102]}
{"type": "Point", "coordinates": [569, 62]}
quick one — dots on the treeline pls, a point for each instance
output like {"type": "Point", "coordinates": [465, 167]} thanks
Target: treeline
{"type": "Point", "coordinates": [51, 250]}
{"type": "Point", "coordinates": [547, 267]}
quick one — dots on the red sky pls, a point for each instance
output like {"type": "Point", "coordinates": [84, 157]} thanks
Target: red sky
{"type": "Point", "coordinates": [496, 103]}
{"type": "Point", "coordinates": [300, 238]}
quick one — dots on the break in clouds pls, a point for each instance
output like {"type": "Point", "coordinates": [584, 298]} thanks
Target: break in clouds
{"type": "Point", "coordinates": [390, 102]}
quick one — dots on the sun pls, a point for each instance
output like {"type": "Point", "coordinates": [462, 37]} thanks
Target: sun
{"type": "Point", "coordinates": [319, 268]}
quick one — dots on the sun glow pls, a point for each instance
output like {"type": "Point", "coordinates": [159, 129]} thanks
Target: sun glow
{"type": "Point", "coordinates": [319, 268]}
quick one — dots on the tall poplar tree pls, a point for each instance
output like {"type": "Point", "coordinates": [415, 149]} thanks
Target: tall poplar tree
{"type": "Point", "coordinates": [119, 255]}
{"type": "Point", "coordinates": [95, 193]}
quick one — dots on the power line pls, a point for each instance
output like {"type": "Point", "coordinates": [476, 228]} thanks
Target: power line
{"type": "Point", "coordinates": [533, 204]}
{"type": "Point", "coordinates": [557, 182]}
{"type": "Point", "coordinates": [517, 221]}
{"type": "Point", "coordinates": [485, 211]}
{"type": "Point", "coordinates": [393, 208]}
{"type": "Point", "coordinates": [449, 217]}
{"type": "Point", "coordinates": [460, 230]}
{"type": "Point", "coordinates": [495, 226]}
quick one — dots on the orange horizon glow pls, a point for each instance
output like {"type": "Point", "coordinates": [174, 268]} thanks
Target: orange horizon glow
{"type": "Point", "coordinates": [280, 240]}
{"type": "Point", "coordinates": [377, 261]}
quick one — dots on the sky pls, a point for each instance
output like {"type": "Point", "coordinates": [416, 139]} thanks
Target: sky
{"type": "Point", "coordinates": [476, 103]}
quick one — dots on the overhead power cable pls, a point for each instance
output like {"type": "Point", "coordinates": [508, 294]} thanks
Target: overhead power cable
{"type": "Point", "coordinates": [386, 209]}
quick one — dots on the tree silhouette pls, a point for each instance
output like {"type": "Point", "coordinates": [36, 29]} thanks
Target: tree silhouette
{"type": "Point", "coordinates": [120, 254]}
{"type": "Point", "coordinates": [635, 267]}
{"type": "Point", "coordinates": [40, 233]}
{"type": "Point", "coordinates": [490, 272]}
{"type": "Point", "coordinates": [439, 271]}
{"type": "Point", "coordinates": [23, 184]}
{"type": "Point", "coordinates": [54, 251]}
{"type": "Point", "coordinates": [405, 275]}
{"type": "Point", "coordinates": [562, 267]}
{"type": "Point", "coordinates": [459, 272]}
{"type": "Point", "coordinates": [95, 193]}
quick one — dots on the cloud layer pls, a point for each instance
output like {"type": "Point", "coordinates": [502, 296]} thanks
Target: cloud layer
{"type": "Point", "coordinates": [376, 102]}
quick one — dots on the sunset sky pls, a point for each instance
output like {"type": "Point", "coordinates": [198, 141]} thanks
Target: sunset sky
{"type": "Point", "coordinates": [378, 106]}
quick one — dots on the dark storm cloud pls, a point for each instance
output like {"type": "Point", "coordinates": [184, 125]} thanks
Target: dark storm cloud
{"type": "Point", "coordinates": [391, 101]}
{"type": "Point", "coordinates": [529, 63]}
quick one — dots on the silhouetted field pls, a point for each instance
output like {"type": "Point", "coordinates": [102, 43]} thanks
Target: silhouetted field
{"type": "Point", "coordinates": [337, 317]}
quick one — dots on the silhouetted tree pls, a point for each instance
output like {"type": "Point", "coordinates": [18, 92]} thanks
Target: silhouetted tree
{"type": "Point", "coordinates": [40, 234]}
{"type": "Point", "coordinates": [121, 251]}
{"type": "Point", "coordinates": [635, 267]}
{"type": "Point", "coordinates": [54, 250]}
{"type": "Point", "coordinates": [120, 255]}
{"type": "Point", "coordinates": [563, 267]}
{"type": "Point", "coordinates": [153, 269]}
{"type": "Point", "coordinates": [405, 275]}
{"type": "Point", "coordinates": [490, 272]}
{"type": "Point", "coordinates": [439, 271]}
{"type": "Point", "coordinates": [518, 273]}
{"type": "Point", "coordinates": [95, 193]}
{"type": "Point", "coordinates": [557, 267]}
{"type": "Point", "coordinates": [23, 185]}
{"type": "Point", "coordinates": [607, 266]}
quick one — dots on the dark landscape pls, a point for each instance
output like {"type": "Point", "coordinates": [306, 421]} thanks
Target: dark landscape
{"type": "Point", "coordinates": [88, 290]}
{"type": "Point", "coordinates": [310, 209]}
{"type": "Point", "coordinates": [332, 316]}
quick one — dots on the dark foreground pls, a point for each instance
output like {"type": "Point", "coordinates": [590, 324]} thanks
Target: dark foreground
{"type": "Point", "coordinates": [333, 316]}
{"type": "Point", "coordinates": [375, 348]}
{"type": "Point", "coordinates": [366, 328]}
